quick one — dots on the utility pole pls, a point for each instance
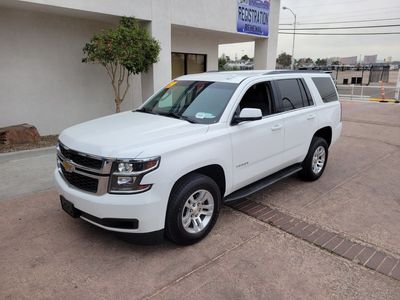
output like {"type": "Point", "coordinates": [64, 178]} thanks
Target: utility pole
{"type": "Point", "coordinates": [294, 32]}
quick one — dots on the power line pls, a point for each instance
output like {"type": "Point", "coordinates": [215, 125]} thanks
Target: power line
{"type": "Point", "coordinates": [339, 22]}
{"type": "Point", "coordinates": [363, 13]}
{"type": "Point", "coordinates": [352, 33]}
{"type": "Point", "coordinates": [343, 27]}
{"type": "Point", "coordinates": [326, 4]}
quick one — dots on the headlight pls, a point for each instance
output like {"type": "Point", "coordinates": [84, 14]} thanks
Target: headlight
{"type": "Point", "coordinates": [127, 174]}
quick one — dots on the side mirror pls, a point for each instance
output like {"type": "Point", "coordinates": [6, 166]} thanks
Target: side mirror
{"type": "Point", "coordinates": [248, 114]}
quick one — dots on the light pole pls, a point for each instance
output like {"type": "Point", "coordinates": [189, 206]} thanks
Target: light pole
{"type": "Point", "coordinates": [294, 33]}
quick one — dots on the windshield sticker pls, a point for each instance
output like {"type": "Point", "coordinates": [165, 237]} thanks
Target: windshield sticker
{"type": "Point", "coordinates": [171, 84]}
{"type": "Point", "coordinates": [204, 115]}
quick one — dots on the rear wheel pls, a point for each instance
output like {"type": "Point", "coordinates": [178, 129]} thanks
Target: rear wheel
{"type": "Point", "coordinates": [315, 162]}
{"type": "Point", "coordinates": [193, 209]}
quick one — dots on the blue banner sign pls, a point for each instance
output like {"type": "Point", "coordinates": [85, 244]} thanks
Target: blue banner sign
{"type": "Point", "coordinates": [252, 17]}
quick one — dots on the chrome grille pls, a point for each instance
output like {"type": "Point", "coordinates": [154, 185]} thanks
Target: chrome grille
{"type": "Point", "coordinates": [81, 181]}
{"type": "Point", "coordinates": [86, 172]}
{"type": "Point", "coordinates": [80, 158]}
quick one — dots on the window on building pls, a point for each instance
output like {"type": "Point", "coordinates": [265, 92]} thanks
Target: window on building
{"type": "Point", "coordinates": [326, 89]}
{"type": "Point", "coordinates": [178, 64]}
{"type": "Point", "coordinates": [290, 94]}
{"type": "Point", "coordinates": [185, 63]}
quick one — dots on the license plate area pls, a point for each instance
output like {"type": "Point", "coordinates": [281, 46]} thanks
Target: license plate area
{"type": "Point", "coordinates": [69, 208]}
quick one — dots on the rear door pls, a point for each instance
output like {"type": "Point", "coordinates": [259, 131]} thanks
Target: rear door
{"type": "Point", "coordinates": [299, 118]}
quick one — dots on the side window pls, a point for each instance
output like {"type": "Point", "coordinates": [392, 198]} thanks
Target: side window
{"type": "Point", "coordinates": [305, 93]}
{"type": "Point", "coordinates": [258, 96]}
{"type": "Point", "coordinates": [326, 89]}
{"type": "Point", "coordinates": [291, 95]}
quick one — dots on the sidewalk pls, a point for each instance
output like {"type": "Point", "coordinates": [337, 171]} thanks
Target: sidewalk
{"type": "Point", "coordinates": [26, 171]}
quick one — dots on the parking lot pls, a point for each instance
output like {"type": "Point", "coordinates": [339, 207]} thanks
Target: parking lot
{"type": "Point", "coordinates": [44, 253]}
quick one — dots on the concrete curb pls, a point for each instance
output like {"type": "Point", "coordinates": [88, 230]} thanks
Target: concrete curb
{"type": "Point", "coordinates": [25, 153]}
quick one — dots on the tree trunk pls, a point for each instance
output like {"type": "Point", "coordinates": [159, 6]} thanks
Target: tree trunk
{"type": "Point", "coordinates": [117, 105]}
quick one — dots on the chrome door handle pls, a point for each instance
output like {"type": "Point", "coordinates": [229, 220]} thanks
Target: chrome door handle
{"type": "Point", "coordinates": [276, 127]}
{"type": "Point", "coordinates": [311, 116]}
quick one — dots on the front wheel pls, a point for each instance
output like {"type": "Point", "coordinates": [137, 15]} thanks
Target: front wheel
{"type": "Point", "coordinates": [193, 209]}
{"type": "Point", "coordinates": [315, 162]}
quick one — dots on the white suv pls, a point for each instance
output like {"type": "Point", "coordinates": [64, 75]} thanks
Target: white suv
{"type": "Point", "coordinates": [201, 141]}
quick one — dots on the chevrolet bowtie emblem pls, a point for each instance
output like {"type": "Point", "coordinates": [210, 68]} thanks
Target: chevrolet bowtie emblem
{"type": "Point", "coordinates": [68, 166]}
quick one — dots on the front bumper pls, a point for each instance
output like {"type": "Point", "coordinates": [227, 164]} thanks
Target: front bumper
{"type": "Point", "coordinates": [148, 208]}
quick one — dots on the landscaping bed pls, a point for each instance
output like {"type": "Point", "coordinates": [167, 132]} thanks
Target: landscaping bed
{"type": "Point", "coordinates": [44, 141]}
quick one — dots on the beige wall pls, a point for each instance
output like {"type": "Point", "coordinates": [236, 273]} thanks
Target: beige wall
{"type": "Point", "coordinates": [198, 42]}
{"type": "Point", "coordinates": [44, 83]}
{"type": "Point", "coordinates": [42, 79]}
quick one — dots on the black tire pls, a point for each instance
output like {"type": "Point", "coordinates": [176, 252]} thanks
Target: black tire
{"type": "Point", "coordinates": [183, 189]}
{"type": "Point", "coordinates": [307, 173]}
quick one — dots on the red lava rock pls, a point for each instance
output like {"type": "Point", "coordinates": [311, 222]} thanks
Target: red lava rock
{"type": "Point", "coordinates": [19, 134]}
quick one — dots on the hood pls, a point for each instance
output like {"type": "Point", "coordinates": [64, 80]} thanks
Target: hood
{"type": "Point", "coordinates": [126, 134]}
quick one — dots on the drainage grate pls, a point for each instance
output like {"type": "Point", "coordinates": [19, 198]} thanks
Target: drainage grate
{"type": "Point", "coordinates": [364, 255]}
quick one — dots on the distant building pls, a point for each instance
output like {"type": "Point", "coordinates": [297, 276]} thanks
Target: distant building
{"type": "Point", "coordinates": [351, 60]}
{"type": "Point", "coordinates": [370, 59]}
{"type": "Point", "coordinates": [388, 59]}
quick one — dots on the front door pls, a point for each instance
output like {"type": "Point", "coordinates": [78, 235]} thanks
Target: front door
{"type": "Point", "coordinates": [257, 145]}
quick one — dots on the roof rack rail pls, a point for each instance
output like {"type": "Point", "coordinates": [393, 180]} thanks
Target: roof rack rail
{"type": "Point", "coordinates": [293, 72]}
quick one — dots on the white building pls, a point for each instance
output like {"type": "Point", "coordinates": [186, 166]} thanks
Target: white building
{"type": "Point", "coordinates": [44, 83]}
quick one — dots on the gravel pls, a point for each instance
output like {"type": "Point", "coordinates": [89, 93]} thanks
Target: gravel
{"type": "Point", "coordinates": [45, 141]}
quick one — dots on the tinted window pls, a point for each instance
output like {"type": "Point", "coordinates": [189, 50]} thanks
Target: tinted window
{"type": "Point", "coordinates": [305, 93]}
{"type": "Point", "coordinates": [257, 96]}
{"type": "Point", "coordinates": [290, 92]}
{"type": "Point", "coordinates": [326, 89]}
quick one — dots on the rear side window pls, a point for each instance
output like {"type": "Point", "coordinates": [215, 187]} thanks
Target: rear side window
{"type": "Point", "coordinates": [326, 89]}
{"type": "Point", "coordinates": [291, 94]}
{"type": "Point", "coordinates": [305, 93]}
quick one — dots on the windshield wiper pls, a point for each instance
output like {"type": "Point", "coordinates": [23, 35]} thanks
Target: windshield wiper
{"type": "Point", "coordinates": [177, 116]}
{"type": "Point", "coordinates": [146, 111]}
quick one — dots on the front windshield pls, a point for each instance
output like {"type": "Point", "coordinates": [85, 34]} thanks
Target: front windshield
{"type": "Point", "coordinates": [194, 101]}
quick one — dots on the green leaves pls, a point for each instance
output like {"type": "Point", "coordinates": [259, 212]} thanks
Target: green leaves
{"type": "Point", "coordinates": [128, 45]}
{"type": "Point", "coordinates": [124, 50]}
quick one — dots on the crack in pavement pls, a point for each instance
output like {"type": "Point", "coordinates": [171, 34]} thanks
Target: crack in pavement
{"type": "Point", "coordinates": [371, 122]}
{"type": "Point", "coordinates": [369, 139]}
{"type": "Point", "coordinates": [188, 274]}
{"type": "Point", "coordinates": [343, 182]}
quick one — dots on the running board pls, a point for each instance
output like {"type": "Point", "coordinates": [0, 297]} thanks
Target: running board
{"type": "Point", "coordinates": [262, 183]}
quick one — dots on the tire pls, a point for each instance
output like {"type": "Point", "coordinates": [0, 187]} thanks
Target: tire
{"type": "Point", "coordinates": [191, 188]}
{"type": "Point", "coordinates": [311, 171]}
